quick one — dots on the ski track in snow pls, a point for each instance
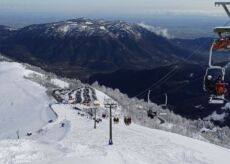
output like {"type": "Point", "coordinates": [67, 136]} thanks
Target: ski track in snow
{"type": "Point", "coordinates": [77, 141]}
{"type": "Point", "coordinates": [133, 144]}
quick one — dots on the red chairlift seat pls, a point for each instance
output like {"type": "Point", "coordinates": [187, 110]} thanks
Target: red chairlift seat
{"type": "Point", "coordinates": [223, 42]}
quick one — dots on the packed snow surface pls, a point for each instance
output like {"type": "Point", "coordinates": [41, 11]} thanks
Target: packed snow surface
{"type": "Point", "coordinates": [24, 104]}
{"type": "Point", "coordinates": [132, 145]}
{"type": "Point", "coordinates": [70, 138]}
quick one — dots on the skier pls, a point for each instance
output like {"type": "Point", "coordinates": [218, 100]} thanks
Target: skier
{"type": "Point", "coordinates": [220, 87]}
{"type": "Point", "coordinates": [210, 84]}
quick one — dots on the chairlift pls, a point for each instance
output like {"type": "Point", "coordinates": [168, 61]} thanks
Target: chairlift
{"type": "Point", "coordinates": [165, 105]}
{"type": "Point", "coordinates": [151, 114]}
{"type": "Point", "coordinates": [213, 82]}
{"type": "Point", "coordinates": [116, 120]}
{"type": "Point", "coordinates": [104, 115]}
{"type": "Point", "coordinates": [223, 42]}
{"type": "Point", "coordinates": [127, 120]}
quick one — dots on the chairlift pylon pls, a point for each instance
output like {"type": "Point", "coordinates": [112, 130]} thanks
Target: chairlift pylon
{"type": "Point", "coordinates": [225, 6]}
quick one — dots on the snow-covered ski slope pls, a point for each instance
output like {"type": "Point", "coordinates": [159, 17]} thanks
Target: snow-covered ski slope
{"type": "Point", "coordinates": [77, 141]}
{"type": "Point", "coordinates": [24, 104]}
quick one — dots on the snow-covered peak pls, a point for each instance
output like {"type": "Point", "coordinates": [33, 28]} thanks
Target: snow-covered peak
{"type": "Point", "coordinates": [6, 28]}
{"type": "Point", "coordinates": [10, 28]}
{"type": "Point", "coordinates": [89, 27]}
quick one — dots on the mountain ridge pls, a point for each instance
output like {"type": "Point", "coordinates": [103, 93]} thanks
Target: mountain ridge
{"type": "Point", "coordinates": [88, 46]}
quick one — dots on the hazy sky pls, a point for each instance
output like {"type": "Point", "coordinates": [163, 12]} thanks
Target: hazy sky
{"type": "Point", "coordinates": [110, 7]}
{"type": "Point", "coordinates": [19, 13]}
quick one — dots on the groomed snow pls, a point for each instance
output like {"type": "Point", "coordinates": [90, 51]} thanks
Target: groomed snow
{"type": "Point", "coordinates": [71, 138]}
{"type": "Point", "coordinates": [132, 145]}
{"type": "Point", "coordinates": [24, 104]}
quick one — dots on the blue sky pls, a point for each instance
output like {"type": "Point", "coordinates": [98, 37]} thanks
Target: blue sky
{"type": "Point", "coordinates": [110, 7]}
{"type": "Point", "coordinates": [19, 13]}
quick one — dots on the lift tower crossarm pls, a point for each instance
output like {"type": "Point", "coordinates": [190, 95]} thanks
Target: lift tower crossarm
{"type": "Point", "coordinates": [224, 5]}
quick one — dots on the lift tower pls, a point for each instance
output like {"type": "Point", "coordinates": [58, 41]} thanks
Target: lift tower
{"type": "Point", "coordinates": [225, 6]}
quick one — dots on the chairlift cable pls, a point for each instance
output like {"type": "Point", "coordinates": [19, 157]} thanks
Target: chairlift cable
{"type": "Point", "coordinates": [162, 82]}
{"type": "Point", "coordinates": [193, 53]}
{"type": "Point", "coordinates": [155, 83]}
{"type": "Point", "coordinates": [179, 87]}
{"type": "Point", "coordinates": [174, 69]}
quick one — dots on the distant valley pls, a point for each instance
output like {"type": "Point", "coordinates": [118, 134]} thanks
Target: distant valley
{"type": "Point", "coordinates": [120, 55]}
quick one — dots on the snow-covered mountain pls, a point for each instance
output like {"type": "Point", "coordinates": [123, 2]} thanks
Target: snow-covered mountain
{"type": "Point", "coordinates": [86, 46]}
{"type": "Point", "coordinates": [52, 131]}
{"type": "Point", "coordinates": [6, 31]}
{"type": "Point", "coordinates": [88, 27]}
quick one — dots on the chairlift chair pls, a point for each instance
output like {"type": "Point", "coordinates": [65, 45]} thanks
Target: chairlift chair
{"type": "Point", "coordinates": [165, 105]}
{"type": "Point", "coordinates": [116, 120]}
{"type": "Point", "coordinates": [212, 74]}
{"type": "Point", "coordinates": [151, 114]}
{"type": "Point", "coordinates": [127, 120]}
{"type": "Point", "coordinates": [104, 115]}
{"type": "Point", "coordinates": [223, 42]}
